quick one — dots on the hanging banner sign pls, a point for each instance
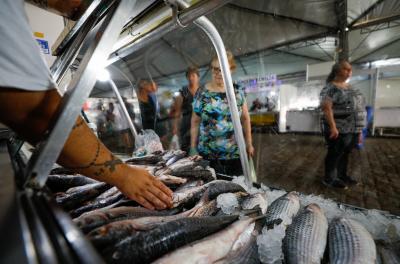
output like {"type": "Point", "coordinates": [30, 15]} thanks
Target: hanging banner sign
{"type": "Point", "coordinates": [261, 83]}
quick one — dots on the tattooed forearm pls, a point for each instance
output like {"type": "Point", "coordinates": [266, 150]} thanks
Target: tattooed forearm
{"type": "Point", "coordinates": [92, 163]}
{"type": "Point", "coordinates": [108, 166]}
{"type": "Point", "coordinates": [39, 3]}
{"type": "Point", "coordinates": [111, 163]}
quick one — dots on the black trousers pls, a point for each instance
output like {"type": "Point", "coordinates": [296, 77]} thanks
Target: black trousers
{"type": "Point", "coordinates": [231, 167]}
{"type": "Point", "coordinates": [337, 158]}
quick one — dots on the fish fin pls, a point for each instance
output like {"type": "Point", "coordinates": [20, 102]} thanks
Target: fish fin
{"type": "Point", "coordinates": [248, 212]}
{"type": "Point", "coordinates": [273, 223]}
{"type": "Point", "coordinates": [205, 198]}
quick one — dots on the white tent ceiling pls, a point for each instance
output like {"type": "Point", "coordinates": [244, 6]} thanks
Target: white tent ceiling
{"type": "Point", "coordinates": [276, 32]}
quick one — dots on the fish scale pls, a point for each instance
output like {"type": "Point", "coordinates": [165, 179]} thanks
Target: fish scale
{"type": "Point", "coordinates": [144, 247]}
{"type": "Point", "coordinates": [305, 239]}
{"type": "Point", "coordinates": [285, 207]}
{"type": "Point", "coordinates": [350, 242]}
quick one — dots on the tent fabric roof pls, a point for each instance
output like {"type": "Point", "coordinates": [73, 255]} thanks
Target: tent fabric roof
{"type": "Point", "coordinates": [277, 31]}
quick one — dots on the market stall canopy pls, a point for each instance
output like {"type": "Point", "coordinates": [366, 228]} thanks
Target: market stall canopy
{"type": "Point", "coordinates": [278, 31]}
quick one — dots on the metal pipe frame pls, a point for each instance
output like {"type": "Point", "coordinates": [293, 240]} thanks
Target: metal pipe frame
{"type": "Point", "coordinates": [78, 34]}
{"type": "Point", "coordinates": [77, 27]}
{"type": "Point", "coordinates": [375, 87]}
{"type": "Point", "coordinates": [187, 16]}
{"type": "Point", "coordinates": [205, 24]}
{"type": "Point", "coordinates": [79, 89]}
{"type": "Point", "coordinates": [123, 107]}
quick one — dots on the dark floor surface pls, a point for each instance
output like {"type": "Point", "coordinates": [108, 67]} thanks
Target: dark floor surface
{"type": "Point", "coordinates": [296, 163]}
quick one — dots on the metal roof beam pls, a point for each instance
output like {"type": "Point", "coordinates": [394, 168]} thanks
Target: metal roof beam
{"type": "Point", "coordinates": [298, 55]}
{"type": "Point", "coordinates": [375, 22]}
{"type": "Point", "coordinates": [312, 37]}
{"type": "Point", "coordinates": [366, 12]}
{"type": "Point", "coordinates": [377, 49]}
{"type": "Point", "coordinates": [278, 16]}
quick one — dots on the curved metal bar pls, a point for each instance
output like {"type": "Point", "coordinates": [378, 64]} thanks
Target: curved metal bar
{"type": "Point", "coordinates": [80, 87]}
{"type": "Point", "coordinates": [123, 107]}
{"type": "Point", "coordinates": [207, 26]}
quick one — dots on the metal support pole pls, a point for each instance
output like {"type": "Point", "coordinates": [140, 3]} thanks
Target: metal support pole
{"type": "Point", "coordinates": [123, 107]}
{"type": "Point", "coordinates": [79, 89]}
{"type": "Point", "coordinates": [206, 25]}
{"type": "Point", "coordinates": [341, 11]}
{"type": "Point", "coordinates": [374, 89]}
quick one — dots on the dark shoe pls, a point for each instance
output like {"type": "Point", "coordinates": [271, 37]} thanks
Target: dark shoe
{"type": "Point", "coordinates": [349, 181]}
{"type": "Point", "coordinates": [334, 184]}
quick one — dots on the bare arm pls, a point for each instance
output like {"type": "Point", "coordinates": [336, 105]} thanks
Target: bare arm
{"type": "Point", "coordinates": [176, 114]}
{"type": "Point", "coordinates": [194, 130]}
{"type": "Point", "coordinates": [245, 119]}
{"type": "Point", "coordinates": [328, 112]}
{"type": "Point", "coordinates": [31, 113]}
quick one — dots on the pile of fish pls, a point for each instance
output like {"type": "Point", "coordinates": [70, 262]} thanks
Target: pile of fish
{"type": "Point", "coordinates": [257, 228]}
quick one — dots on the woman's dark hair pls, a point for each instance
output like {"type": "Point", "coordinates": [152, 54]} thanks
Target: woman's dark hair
{"type": "Point", "coordinates": [192, 69]}
{"type": "Point", "coordinates": [335, 69]}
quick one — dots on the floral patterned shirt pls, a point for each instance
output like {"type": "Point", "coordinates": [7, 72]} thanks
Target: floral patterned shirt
{"type": "Point", "coordinates": [216, 133]}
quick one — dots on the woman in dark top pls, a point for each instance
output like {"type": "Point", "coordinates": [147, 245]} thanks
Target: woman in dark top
{"type": "Point", "coordinates": [182, 109]}
{"type": "Point", "coordinates": [343, 121]}
{"type": "Point", "coordinates": [149, 107]}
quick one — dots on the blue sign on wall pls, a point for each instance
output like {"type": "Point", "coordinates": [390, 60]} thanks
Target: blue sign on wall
{"type": "Point", "coordinates": [44, 46]}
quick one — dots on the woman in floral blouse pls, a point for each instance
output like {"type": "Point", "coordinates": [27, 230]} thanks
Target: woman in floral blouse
{"type": "Point", "coordinates": [212, 133]}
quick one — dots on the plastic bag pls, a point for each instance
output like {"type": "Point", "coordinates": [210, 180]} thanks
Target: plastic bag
{"type": "Point", "coordinates": [174, 143]}
{"type": "Point", "coordinates": [148, 142]}
{"type": "Point", "coordinates": [253, 175]}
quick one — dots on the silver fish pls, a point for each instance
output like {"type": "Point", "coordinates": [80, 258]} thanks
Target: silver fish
{"type": "Point", "coordinates": [177, 155]}
{"type": "Point", "coordinates": [94, 219]}
{"type": "Point", "coordinates": [305, 239]}
{"type": "Point", "coordinates": [103, 200]}
{"type": "Point", "coordinates": [189, 185]}
{"type": "Point", "coordinates": [207, 174]}
{"type": "Point", "coordinates": [144, 160]}
{"type": "Point", "coordinates": [285, 208]}
{"type": "Point", "coordinates": [208, 249]}
{"type": "Point", "coordinates": [144, 247]}
{"type": "Point", "coordinates": [350, 243]}
{"type": "Point", "coordinates": [76, 196]}
{"type": "Point", "coordinates": [189, 197]}
{"type": "Point", "coordinates": [211, 207]}
{"type": "Point", "coordinates": [254, 200]}
{"type": "Point", "coordinates": [171, 180]}
{"type": "Point", "coordinates": [61, 183]}
{"type": "Point", "coordinates": [245, 249]}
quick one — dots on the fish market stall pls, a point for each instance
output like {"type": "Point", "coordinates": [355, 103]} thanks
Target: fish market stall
{"type": "Point", "coordinates": [64, 217]}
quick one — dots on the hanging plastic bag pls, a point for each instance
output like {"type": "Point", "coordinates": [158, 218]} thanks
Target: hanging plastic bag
{"type": "Point", "coordinates": [174, 145]}
{"type": "Point", "coordinates": [253, 175]}
{"type": "Point", "coordinates": [148, 142]}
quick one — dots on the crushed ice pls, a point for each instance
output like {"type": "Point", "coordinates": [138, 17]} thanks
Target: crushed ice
{"type": "Point", "coordinates": [227, 202]}
{"type": "Point", "coordinates": [269, 244]}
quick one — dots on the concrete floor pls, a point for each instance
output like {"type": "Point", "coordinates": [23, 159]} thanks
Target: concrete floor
{"type": "Point", "coordinates": [296, 162]}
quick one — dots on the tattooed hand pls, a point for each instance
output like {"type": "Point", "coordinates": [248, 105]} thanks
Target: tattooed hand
{"type": "Point", "coordinates": [139, 185]}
